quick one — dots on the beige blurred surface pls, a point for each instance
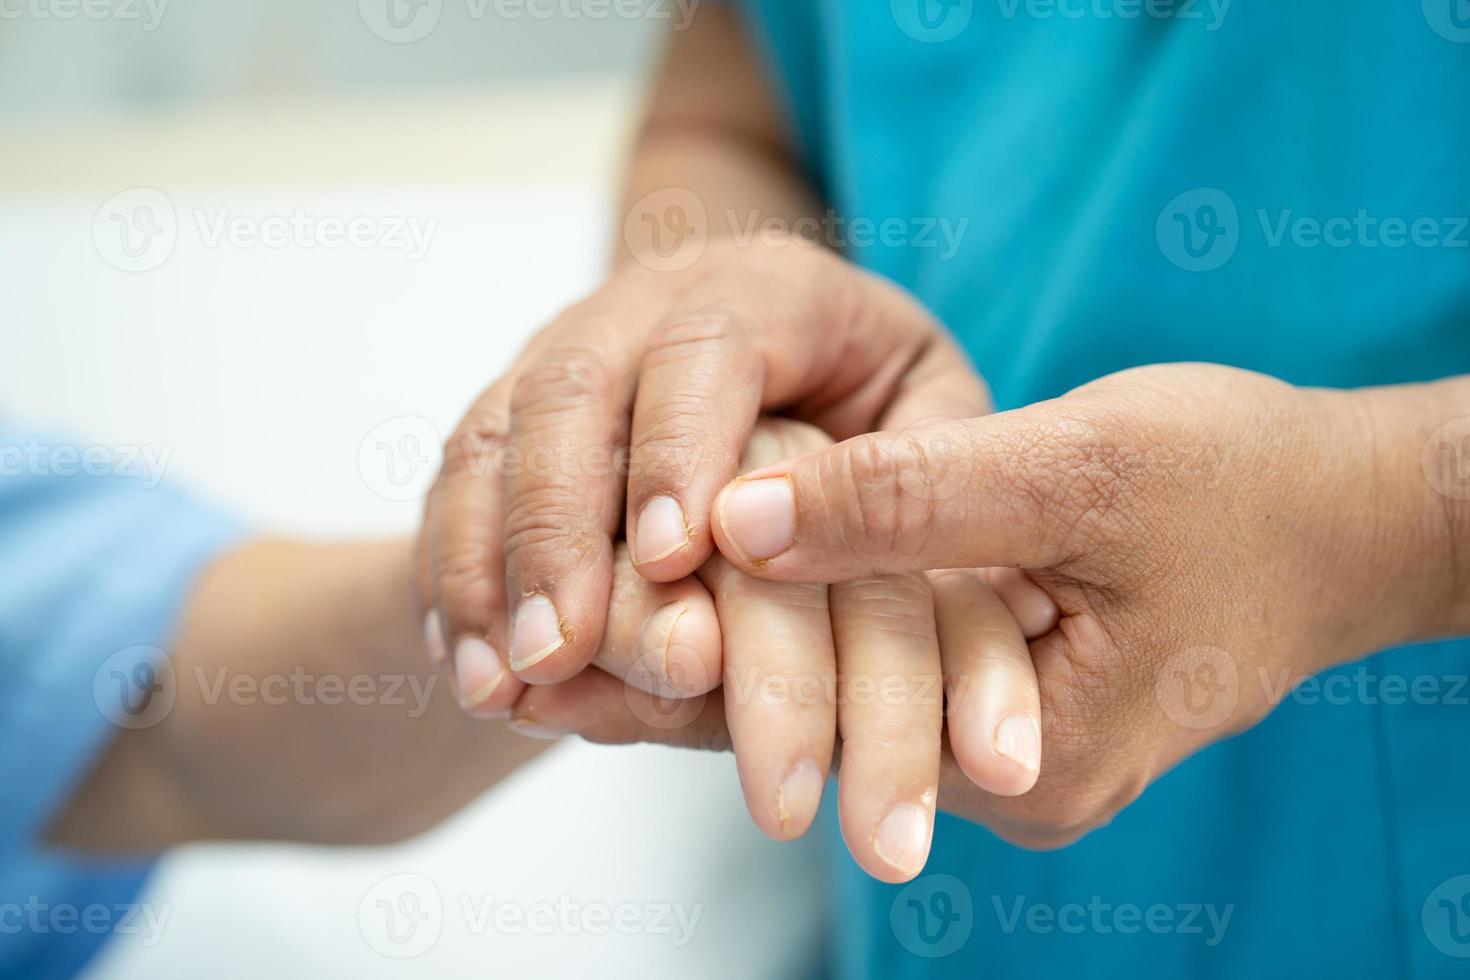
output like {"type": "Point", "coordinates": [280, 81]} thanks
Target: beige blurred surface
{"type": "Point", "coordinates": [572, 130]}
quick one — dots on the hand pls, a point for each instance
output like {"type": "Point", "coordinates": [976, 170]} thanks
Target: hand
{"type": "Point", "coordinates": [875, 660]}
{"type": "Point", "coordinates": [674, 367]}
{"type": "Point", "coordinates": [1210, 535]}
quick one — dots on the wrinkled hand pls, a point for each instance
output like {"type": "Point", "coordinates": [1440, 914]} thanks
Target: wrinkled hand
{"type": "Point", "coordinates": [879, 660]}
{"type": "Point", "coordinates": [1211, 536]}
{"type": "Point", "coordinates": [518, 551]}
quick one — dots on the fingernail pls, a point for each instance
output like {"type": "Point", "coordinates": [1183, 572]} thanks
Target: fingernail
{"type": "Point", "coordinates": [662, 530]}
{"type": "Point", "coordinates": [1018, 738]}
{"type": "Point", "coordinates": [902, 838]}
{"type": "Point", "coordinates": [759, 517]}
{"type": "Point", "coordinates": [434, 637]}
{"type": "Point", "coordinates": [799, 793]}
{"type": "Point", "coordinates": [537, 633]}
{"type": "Point", "coordinates": [532, 730]}
{"type": "Point", "coordinates": [478, 671]}
{"type": "Point", "coordinates": [657, 639]}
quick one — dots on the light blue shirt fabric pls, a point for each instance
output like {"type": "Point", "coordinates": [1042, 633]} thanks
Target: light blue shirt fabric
{"type": "Point", "coordinates": [96, 561]}
{"type": "Point", "coordinates": [1279, 186]}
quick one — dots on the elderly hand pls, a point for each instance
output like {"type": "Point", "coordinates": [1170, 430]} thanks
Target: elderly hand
{"type": "Point", "coordinates": [1211, 536]}
{"type": "Point", "coordinates": [520, 529]}
{"type": "Point", "coordinates": [879, 661]}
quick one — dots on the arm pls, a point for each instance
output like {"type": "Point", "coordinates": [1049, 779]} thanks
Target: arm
{"type": "Point", "coordinates": [269, 738]}
{"type": "Point", "coordinates": [711, 128]}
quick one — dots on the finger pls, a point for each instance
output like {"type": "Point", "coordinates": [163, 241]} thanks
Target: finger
{"type": "Point", "coordinates": [461, 577]}
{"type": "Point", "coordinates": [1035, 611]}
{"type": "Point", "coordinates": [660, 638]}
{"type": "Point", "coordinates": [993, 703]}
{"type": "Point", "coordinates": [890, 716]}
{"type": "Point", "coordinates": [602, 709]}
{"type": "Point", "coordinates": [944, 494]}
{"type": "Point", "coordinates": [564, 489]}
{"type": "Point", "coordinates": [780, 671]}
{"type": "Point", "coordinates": [942, 384]}
{"type": "Point", "coordinates": [779, 690]}
{"type": "Point", "coordinates": [791, 327]}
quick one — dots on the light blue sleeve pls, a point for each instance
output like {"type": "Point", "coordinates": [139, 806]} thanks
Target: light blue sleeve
{"type": "Point", "coordinates": [97, 558]}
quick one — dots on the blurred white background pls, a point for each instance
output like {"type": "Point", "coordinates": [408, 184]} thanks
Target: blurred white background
{"type": "Point", "coordinates": [274, 374]}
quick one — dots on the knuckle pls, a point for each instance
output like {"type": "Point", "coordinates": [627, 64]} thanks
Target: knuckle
{"type": "Point", "coordinates": [889, 602]}
{"type": "Point", "coordinates": [551, 527]}
{"type": "Point", "coordinates": [870, 472]}
{"type": "Point", "coordinates": [569, 375]}
{"type": "Point", "coordinates": [467, 589]}
{"type": "Point", "coordinates": [886, 735]}
{"type": "Point", "coordinates": [692, 331]}
{"type": "Point", "coordinates": [671, 441]}
{"type": "Point", "coordinates": [1058, 821]}
{"type": "Point", "coordinates": [473, 447]}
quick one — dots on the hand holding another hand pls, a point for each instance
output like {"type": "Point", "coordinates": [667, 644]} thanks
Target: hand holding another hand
{"type": "Point", "coordinates": [872, 666]}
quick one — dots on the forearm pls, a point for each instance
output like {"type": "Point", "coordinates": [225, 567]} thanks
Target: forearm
{"type": "Point", "coordinates": [712, 134]}
{"type": "Point", "coordinates": [305, 709]}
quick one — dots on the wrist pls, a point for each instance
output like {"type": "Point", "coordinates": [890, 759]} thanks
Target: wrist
{"type": "Point", "coordinates": [1405, 518]}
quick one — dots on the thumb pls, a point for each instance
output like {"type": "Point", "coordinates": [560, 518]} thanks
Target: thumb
{"type": "Point", "coordinates": [942, 494]}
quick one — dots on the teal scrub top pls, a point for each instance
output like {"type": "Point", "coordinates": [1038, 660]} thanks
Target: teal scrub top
{"type": "Point", "coordinates": [1081, 186]}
